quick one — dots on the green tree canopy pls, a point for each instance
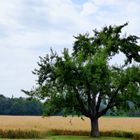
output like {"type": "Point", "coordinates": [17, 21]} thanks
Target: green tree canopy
{"type": "Point", "coordinates": [80, 82]}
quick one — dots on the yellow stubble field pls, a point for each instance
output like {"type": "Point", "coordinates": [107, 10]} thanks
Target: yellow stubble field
{"type": "Point", "coordinates": [67, 123]}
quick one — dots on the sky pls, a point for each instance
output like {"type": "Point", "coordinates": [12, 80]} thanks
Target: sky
{"type": "Point", "coordinates": [29, 28]}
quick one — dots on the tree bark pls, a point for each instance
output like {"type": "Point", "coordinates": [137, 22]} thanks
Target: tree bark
{"type": "Point", "coordinates": [94, 128]}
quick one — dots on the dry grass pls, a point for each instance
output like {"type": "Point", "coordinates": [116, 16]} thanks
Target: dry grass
{"type": "Point", "coordinates": [69, 123]}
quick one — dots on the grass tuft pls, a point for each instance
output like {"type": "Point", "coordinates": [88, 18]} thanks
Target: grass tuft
{"type": "Point", "coordinates": [136, 136]}
{"type": "Point", "coordinates": [69, 132]}
{"type": "Point", "coordinates": [19, 134]}
{"type": "Point", "coordinates": [122, 134]}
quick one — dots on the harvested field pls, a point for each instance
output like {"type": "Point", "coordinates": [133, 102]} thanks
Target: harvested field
{"type": "Point", "coordinates": [69, 123]}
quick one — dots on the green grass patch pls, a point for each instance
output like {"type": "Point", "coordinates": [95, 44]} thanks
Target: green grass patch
{"type": "Point", "coordinates": [75, 138]}
{"type": "Point", "coordinates": [85, 138]}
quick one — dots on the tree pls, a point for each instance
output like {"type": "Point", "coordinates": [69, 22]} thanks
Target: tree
{"type": "Point", "coordinates": [83, 81]}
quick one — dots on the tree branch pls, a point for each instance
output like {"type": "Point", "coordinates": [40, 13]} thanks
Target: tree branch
{"type": "Point", "coordinates": [98, 103]}
{"type": "Point", "coordinates": [82, 108]}
{"type": "Point", "coordinates": [110, 104]}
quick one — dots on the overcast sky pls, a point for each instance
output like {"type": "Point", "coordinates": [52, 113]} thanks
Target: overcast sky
{"type": "Point", "coordinates": [28, 28]}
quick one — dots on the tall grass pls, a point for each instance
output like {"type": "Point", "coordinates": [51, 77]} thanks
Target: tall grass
{"type": "Point", "coordinates": [38, 134]}
{"type": "Point", "coordinates": [20, 134]}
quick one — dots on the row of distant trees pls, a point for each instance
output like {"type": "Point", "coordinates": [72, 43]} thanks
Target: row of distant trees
{"type": "Point", "coordinates": [25, 106]}
{"type": "Point", "coordinates": [20, 106]}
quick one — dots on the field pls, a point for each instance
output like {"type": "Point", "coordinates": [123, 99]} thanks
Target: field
{"type": "Point", "coordinates": [68, 123]}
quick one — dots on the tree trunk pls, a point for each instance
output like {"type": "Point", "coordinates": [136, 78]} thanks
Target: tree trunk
{"type": "Point", "coordinates": [94, 128]}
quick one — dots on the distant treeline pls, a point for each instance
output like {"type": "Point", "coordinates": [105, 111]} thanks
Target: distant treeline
{"type": "Point", "coordinates": [20, 106]}
{"type": "Point", "coordinates": [34, 107]}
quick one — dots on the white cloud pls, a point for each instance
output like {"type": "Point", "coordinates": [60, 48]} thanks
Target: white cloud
{"type": "Point", "coordinates": [9, 13]}
{"type": "Point", "coordinates": [109, 2]}
{"type": "Point", "coordinates": [15, 73]}
{"type": "Point", "coordinates": [36, 39]}
{"type": "Point", "coordinates": [89, 8]}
